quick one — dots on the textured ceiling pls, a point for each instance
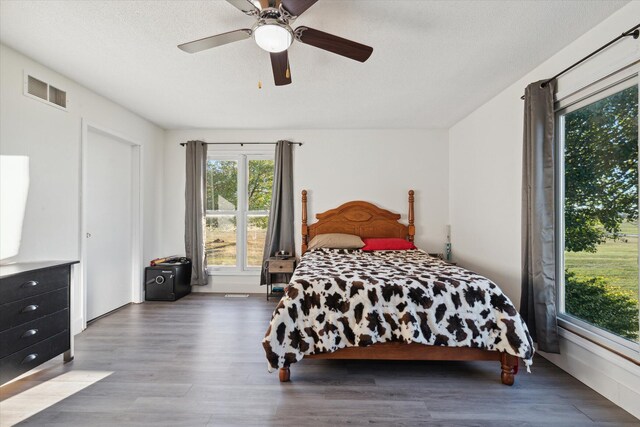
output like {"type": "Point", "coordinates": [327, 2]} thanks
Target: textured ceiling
{"type": "Point", "coordinates": [433, 61]}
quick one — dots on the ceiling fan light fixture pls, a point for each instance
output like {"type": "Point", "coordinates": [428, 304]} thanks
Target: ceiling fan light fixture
{"type": "Point", "coordinates": [273, 37]}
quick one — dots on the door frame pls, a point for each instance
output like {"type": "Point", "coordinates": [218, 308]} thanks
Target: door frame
{"type": "Point", "coordinates": [137, 197]}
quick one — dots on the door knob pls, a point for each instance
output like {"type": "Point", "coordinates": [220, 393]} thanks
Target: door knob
{"type": "Point", "coordinates": [88, 235]}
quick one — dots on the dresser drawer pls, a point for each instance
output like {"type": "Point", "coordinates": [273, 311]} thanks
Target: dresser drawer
{"type": "Point", "coordinates": [19, 337]}
{"type": "Point", "coordinates": [28, 309]}
{"type": "Point", "coordinates": [33, 283]}
{"type": "Point", "coordinates": [30, 357]}
{"type": "Point", "coordinates": [281, 266]}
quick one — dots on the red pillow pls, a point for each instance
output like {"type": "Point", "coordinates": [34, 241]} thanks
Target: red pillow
{"type": "Point", "coordinates": [387, 244]}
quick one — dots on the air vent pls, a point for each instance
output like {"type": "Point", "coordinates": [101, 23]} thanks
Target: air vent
{"type": "Point", "coordinates": [37, 88]}
{"type": "Point", "coordinates": [57, 96]}
{"type": "Point", "coordinates": [43, 91]}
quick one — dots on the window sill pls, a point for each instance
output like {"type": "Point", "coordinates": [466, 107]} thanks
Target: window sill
{"type": "Point", "coordinates": [570, 330]}
{"type": "Point", "coordinates": [233, 272]}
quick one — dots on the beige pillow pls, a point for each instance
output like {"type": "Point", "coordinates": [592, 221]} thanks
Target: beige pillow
{"type": "Point", "coordinates": [336, 241]}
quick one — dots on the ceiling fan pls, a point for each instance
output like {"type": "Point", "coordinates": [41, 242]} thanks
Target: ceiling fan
{"type": "Point", "coordinates": [273, 33]}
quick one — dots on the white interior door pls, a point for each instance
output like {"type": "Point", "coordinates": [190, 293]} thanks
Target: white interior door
{"type": "Point", "coordinates": [108, 219]}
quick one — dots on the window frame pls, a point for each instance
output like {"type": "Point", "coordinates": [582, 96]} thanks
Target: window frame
{"type": "Point", "coordinates": [241, 213]}
{"type": "Point", "coordinates": [599, 90]}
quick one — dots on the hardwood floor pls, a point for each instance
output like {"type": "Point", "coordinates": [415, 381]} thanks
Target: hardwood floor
{"type": "Point", "coordinates": [199, 361]}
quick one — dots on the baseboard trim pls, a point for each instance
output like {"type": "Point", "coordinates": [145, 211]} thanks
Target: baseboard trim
{"type": "Point", "coordinates": [610, 375]}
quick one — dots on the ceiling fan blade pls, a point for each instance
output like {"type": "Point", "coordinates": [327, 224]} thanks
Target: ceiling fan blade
{"type": "Point", "coordinates": [297, 7]}
{"type": "Point", "coordinates": [281, 69]}
{"type": "Point", "coordinates": [245, 6]}
{"type": "Point", "coordinates": [214, 41]}
{"type": "Point", "coordinates": [334, 44]}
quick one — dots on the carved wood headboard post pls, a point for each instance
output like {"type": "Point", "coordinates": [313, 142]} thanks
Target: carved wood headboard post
{"type": "Point", "coordinates": [412, 228]}
{"type": "Point", "coordinates": [305, 230]}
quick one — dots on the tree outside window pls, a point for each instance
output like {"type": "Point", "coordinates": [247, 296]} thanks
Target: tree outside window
{"type": "Point", "coordinates": [601, 213]}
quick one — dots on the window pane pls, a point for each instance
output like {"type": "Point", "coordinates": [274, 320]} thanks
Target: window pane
{"type": "Point", "coordinates": [260, 184]}
{"type": "Point", "coordinates": [601, 213]}
{"type": "Point", "coordinates": [221, 240]}
{"type": "Point", "coordinates": [222, 185]}
{"type": "Point", "coordinates": [256, 234]}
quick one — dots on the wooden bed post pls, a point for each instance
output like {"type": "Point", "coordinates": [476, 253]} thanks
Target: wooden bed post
{"type": "Point", "coordinates": [305, 230]}
{"type": "Point", "coordinates": [509, 365]}
{"type": "Point", "coordinates": [284, 374]}
{"type": "Point", "coordinates": [412, 228]}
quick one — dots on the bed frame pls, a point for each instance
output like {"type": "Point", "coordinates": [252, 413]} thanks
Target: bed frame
{"type": "Point", "coordinates": [367, 220]}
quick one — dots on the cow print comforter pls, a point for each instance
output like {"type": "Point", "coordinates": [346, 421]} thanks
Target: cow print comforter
{"type": "Point", "coordinates": [339, 298]}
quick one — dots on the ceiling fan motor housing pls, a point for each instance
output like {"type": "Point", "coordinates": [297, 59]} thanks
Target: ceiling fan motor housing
{"type": "Point", "coordinates": [272, 31]}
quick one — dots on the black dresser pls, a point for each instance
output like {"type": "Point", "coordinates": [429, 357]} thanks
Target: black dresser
{"type": "Point", "coordinates": [34, 315]}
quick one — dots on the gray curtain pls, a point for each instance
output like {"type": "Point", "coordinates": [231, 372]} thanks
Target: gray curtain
{"type": "Point", "coordinates": [280, 230]}
{"type": "Point", "coordinates": [195, 210]}
{"type": "Point", "coordinates": [538, 298]}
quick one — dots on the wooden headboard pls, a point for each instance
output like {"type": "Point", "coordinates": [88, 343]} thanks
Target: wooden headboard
{"type": "Point", "coordinates": [360, 218]}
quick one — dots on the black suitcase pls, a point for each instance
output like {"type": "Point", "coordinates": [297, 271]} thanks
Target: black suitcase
{"type": "Point", "coordinates": [167, 282]}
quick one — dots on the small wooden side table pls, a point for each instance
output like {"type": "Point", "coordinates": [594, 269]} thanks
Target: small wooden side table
{"type": "Point", "coordinates": [440, 255]}
{"type": "Point", "coordinates": [278, 266]}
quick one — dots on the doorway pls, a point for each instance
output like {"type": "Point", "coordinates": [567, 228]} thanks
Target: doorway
{"type": "Point", "coordinates": [111, 222]}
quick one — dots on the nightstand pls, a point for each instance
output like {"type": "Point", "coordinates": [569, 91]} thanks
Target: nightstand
{"type": "Point", "coordinates": [278, 266]}
{"type": "Point", "coordinates": [441, 256]}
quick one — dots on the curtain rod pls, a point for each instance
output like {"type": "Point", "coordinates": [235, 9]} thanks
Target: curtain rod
{"type": "Point", "coordinates": [632, 32]}
{"type": "Point", "coordinates": [244, 143]}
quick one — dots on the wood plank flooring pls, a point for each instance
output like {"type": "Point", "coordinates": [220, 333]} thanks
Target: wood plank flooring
{"type": "Point", "coordinates": [199, 362]}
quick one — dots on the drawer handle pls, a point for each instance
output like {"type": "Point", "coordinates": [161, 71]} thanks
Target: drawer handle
{"type": "Point", "coordinates": [29, 333]}
{"type": "Point", "coordinates": [29, 284]}
{"type": "Point", "coordinates": [32, 307]}
{"type": "Point", "coordinates": [29, 358]}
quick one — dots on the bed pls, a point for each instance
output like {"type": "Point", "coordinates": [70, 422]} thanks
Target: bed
{"type": "Point", "coordinates": [389, 305]}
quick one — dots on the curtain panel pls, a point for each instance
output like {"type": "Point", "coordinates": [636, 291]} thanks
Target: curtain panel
{"type": "Point", "coordinates": [280, 227]}
{"type": "Point", "coordinates": [195, 210]}
{"type": "Point", "coordinates": [538, 298]}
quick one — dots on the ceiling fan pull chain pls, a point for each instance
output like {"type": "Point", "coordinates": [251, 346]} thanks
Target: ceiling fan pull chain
{"type": "Point", "coordinates": [287, 72]}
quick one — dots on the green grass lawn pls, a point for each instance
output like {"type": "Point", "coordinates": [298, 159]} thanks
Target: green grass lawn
{"type": "Point", "coordinates": [615, 260]}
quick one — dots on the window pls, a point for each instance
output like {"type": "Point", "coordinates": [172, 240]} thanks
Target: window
{"type": "Point", "coordinates": [598, 214]}
{"type": "Point", "coordinates": [238, 201]}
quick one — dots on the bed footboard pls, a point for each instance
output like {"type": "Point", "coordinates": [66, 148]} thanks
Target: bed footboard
{"type": "Point", "coordinates": [401, 351]}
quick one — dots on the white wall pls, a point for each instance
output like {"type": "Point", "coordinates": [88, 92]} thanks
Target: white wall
{"type": "Point", "coordinates": [485, 188]}
{"type": "Point", "coordinates": [51, 139]}
{"type": "Point", "coordinates": [335, 166]}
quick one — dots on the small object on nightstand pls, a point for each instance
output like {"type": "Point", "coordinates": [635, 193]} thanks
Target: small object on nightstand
{"type": "Point", "coordinates": [278, 265]}
{"type": "Point", "coordinates": [282, 255]}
